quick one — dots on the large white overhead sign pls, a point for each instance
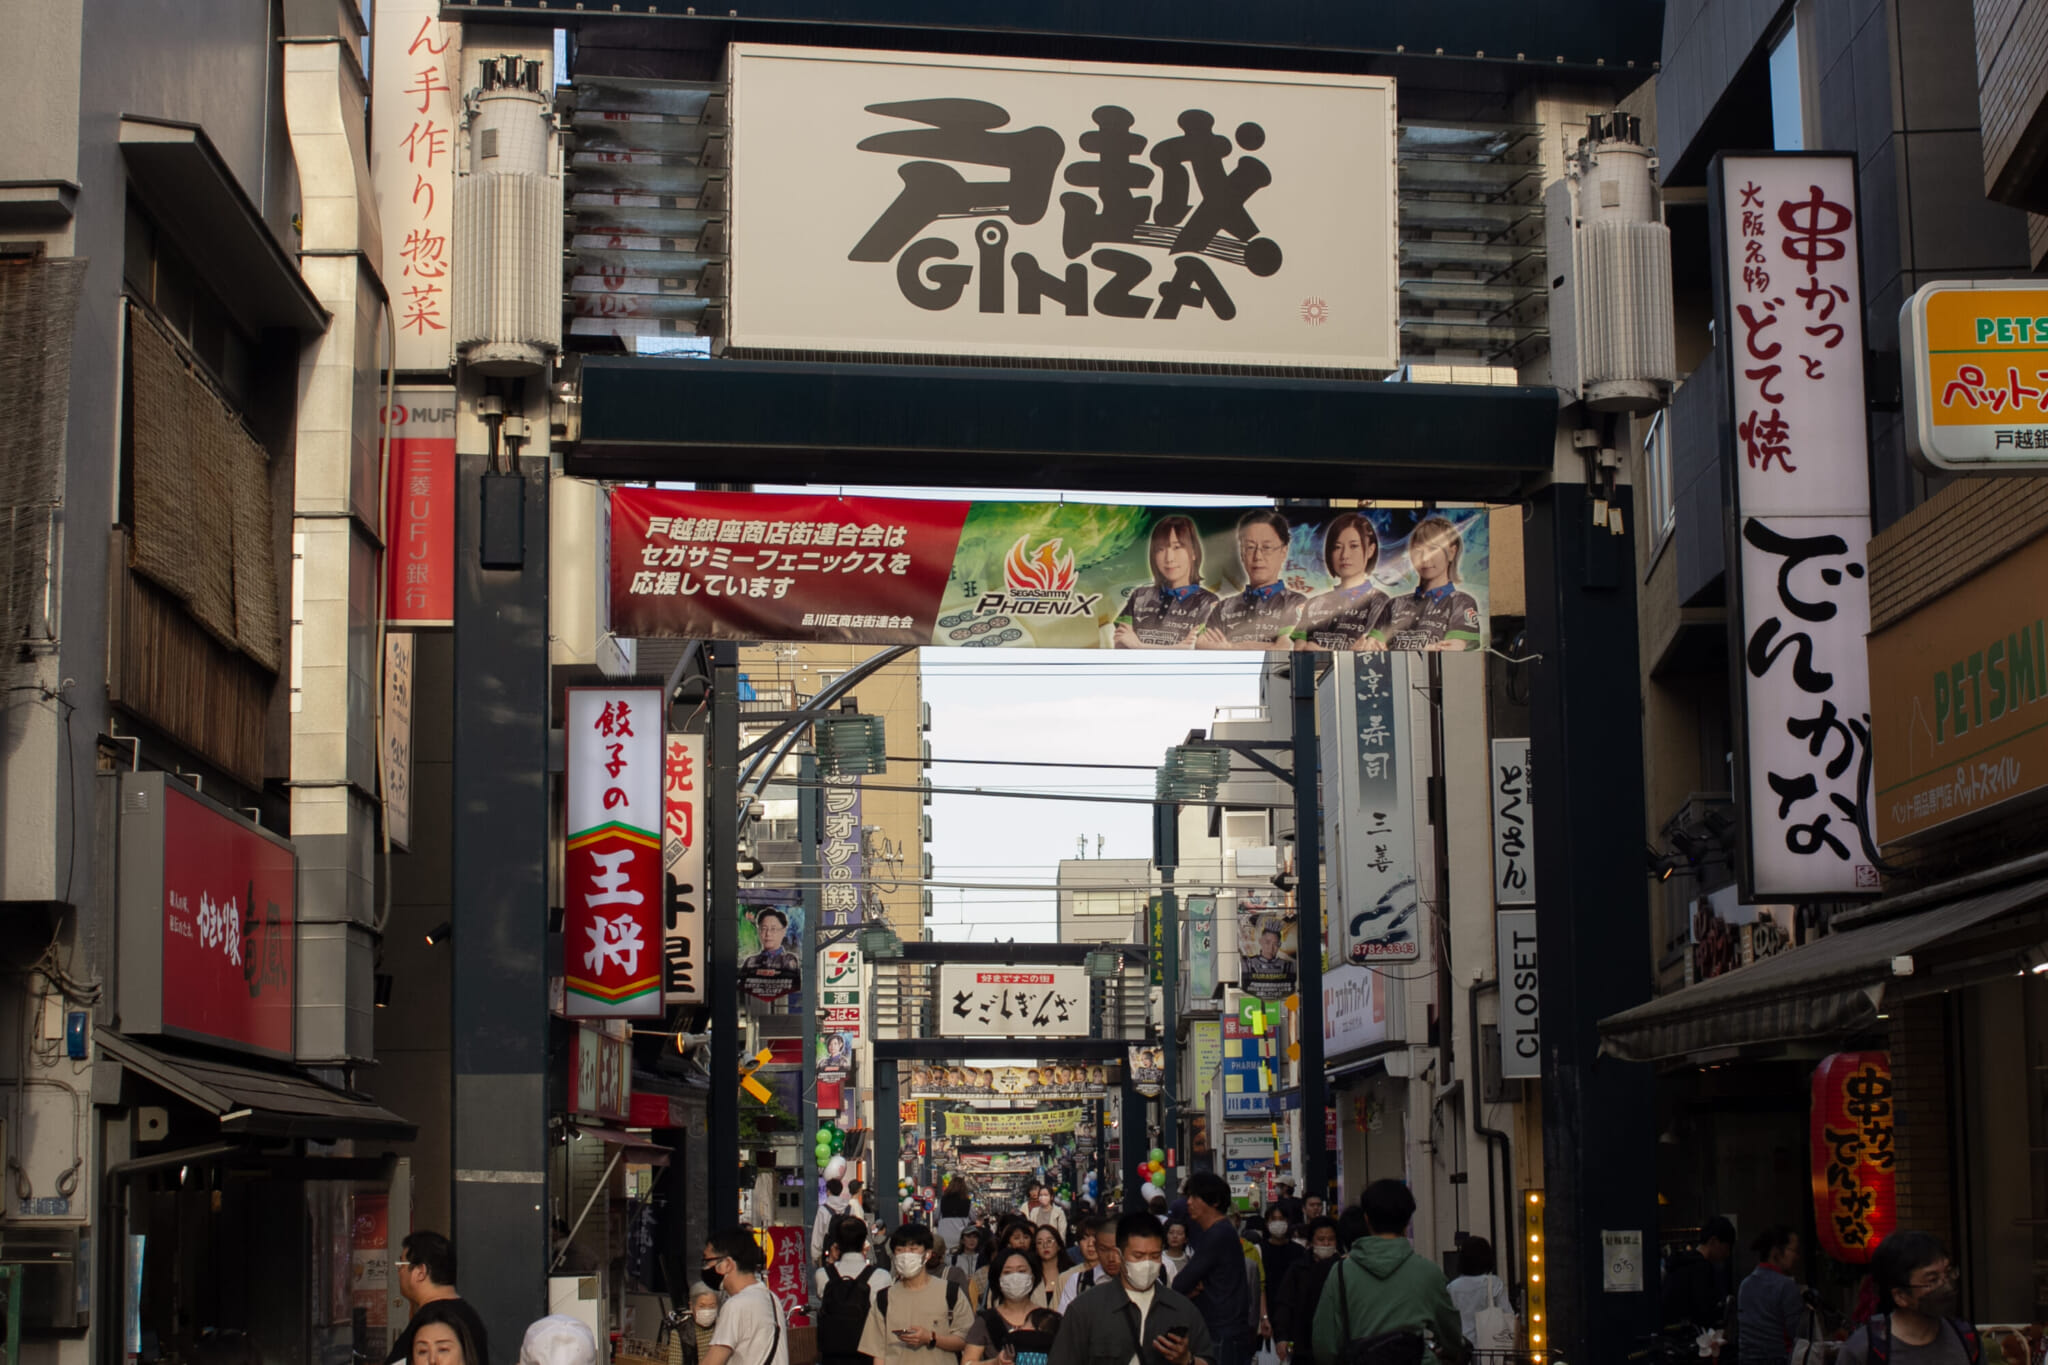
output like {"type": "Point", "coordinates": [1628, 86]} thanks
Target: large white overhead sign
{"type": "Point", "coordinates": [1012, 1002]}
{"type": "Point", "coordinates": [895, 202]}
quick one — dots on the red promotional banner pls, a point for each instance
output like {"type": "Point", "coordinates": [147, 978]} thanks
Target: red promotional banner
{"type": "Point", "coordinates": [611, 868]}
{"type": "Point", "coordinates": [746, 566]}
{"type": "Point", "coordinates": [786, 1278]}
{"type": "Point", "coordinates": [1853, 1157]}
{"type": "Point", "coordinates": [420, 522]}
{"type": "Point", "coordinates": [230, 921]}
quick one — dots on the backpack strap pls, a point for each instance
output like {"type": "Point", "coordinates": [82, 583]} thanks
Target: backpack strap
{"type": "Point", "coordinates": [866, 1275]}
{"type": "Point", "coordinates": [882, 1302]}
{"type": "Point", "coordinates": [1973, 1346]}
{"type": "Point", "coordinates": [1878, 1335]}
{"type": "Point", "coordinates": [952, 1300]}
{"type": "Point", "coordinates": [832, 1275]}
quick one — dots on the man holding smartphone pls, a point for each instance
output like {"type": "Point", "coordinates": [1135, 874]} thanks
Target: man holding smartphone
{"type": "Point", "coordinates": [1136, 1318]}
{"type": "Point", "coordinates": [920, 1319]}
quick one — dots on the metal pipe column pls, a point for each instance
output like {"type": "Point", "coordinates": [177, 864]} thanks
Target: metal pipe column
{"type": "Point", "coordinates": [1166, 855]}
{"type": "Point", "coordinates": [1308, 902]}
{"type": "Point", "coordinates": [721, 935]}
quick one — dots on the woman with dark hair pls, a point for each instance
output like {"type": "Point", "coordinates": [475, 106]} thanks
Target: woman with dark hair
{"type": "Point", "coordinates": [1347, 614]}
{"type": "Point", "coordinates": [1015, 1235]}
{"type": "Point", "coordinates": [1477, 1286]}
{"type": "Point", "coordinates": [1294, 1304]}
{"type": "Point", "coordinates": [1769, 1305]}
{"type": "Point", "coordinates": [1176, 1254]}
{"type": "Point", "coordinates": [440, 1336]}
{"type": "Point", "coordinates": [1169, 613]}
{"type": "Point", "coordinates": [1265, 613]}
{"type": "Point", "coordinates": [1052, 1259]}
{"type": "Point", "coordinates": [1017, 1321]}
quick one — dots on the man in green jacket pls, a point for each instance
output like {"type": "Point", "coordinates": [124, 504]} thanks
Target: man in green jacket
{"type": "Point", "coordinates": [1383, 1286]}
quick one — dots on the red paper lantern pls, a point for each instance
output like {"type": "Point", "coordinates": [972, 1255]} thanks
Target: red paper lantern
{"type": "Point", "coordinates": [1854, 1159]}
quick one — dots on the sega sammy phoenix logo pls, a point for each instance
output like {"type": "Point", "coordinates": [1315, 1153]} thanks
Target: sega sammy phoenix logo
{"type": "Point", "coordinates": [1039, 582]}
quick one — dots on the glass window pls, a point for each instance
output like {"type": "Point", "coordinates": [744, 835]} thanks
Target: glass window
{"type": "Point", "coordinates": [1663, 507]}
{"type": "Point", "coordinates": [1788, 90]}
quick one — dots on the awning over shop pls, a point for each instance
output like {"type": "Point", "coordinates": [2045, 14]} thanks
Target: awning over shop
{"type": "Point", "coordinates": [640, 1150]}
{"type": "Point", "coordinates": [254, 1101]}
{"type": "Point", "coordinates": [1834, 986]}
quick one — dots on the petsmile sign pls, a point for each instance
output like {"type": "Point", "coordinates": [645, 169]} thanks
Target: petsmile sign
{"type": "Point", "coordinates": [949, 205]}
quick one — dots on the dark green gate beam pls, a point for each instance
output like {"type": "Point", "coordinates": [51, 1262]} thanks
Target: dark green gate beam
{"type": "Point", "coordinates": [839, 423]}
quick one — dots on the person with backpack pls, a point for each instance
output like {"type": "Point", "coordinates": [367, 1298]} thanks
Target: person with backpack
{"type": "Point", "coordinates": [1136, 1318]}
{"type": "Point", "coordinates": [1382, 1297]}
{"type": "Point", "coordinates": [750, 1329]}
{"type": "Point", "coordinates": [919, 1319]}
{"type": "Point", "coordinates": [1916, 1322]}
{"type": "Point", "coordinates": [1018, 1325]}
{"type": "Point", "coordinates": [846, 1289]}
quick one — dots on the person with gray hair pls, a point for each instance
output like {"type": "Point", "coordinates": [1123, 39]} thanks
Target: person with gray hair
{"type": "Point", "coordinates": [558, 1339]}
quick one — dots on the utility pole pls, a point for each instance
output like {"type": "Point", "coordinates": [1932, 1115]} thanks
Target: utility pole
{"type": "Point", "coordinates": [1308, 931]}
{"type": "Point", "coordinates": [721, 934]}
{"type": "Point", "coordinates": [810, 801]}
{"type": "Point", "coordinates": [1166, 855]}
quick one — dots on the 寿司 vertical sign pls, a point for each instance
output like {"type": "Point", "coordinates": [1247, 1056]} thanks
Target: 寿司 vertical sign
{"type": "Point", "coordinates": [415, 108]}
{"type": "Point", "coordinates": [1791, 310]}
{"type": "Point", "coordinates": [682, 862]}
{"type": "Point", "coordinates": [611, 872]}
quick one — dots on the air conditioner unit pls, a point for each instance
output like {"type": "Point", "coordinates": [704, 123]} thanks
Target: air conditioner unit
{"type": "Point", "coordinates": [1612, 344]}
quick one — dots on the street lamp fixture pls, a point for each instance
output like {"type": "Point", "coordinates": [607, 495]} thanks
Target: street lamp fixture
{"type": "Point", "coordinates": [1104, 966]}
{"type": "Point", "coordinates": [1192, 772]}
{"type": "Point", "coordinates": [851, 745]}
{"type": "Point", "coordinates": [879, 941]}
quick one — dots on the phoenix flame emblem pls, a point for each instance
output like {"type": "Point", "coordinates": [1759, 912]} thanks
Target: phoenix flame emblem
{"type": "Point", "coordinates": [1044, 569]}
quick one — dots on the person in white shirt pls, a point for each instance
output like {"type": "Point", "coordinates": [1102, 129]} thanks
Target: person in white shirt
{"type": "Point", "coordinates": [1045, 1213]}
{"type": "Point", "coordinates": [750, 1329]}
{"type": "Point", "coordinates": [1109, 1265]}
{"type": "Point", "coordinates": [850, 1248]}
{"type": "Point", "coordinates": [831, 1209]}
{"type": "Point", "coordinates": [1476, 1287]}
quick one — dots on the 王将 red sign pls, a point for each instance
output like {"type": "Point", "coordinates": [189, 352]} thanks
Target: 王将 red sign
{"type": "Point", "coordinates": [611, 864]}
{"type": "Point", "coordinates": [419, 541]}
{"type": "Point", "coordinates": [1854, 1204]}
{"type": "Point", "coordinates": [230, 920]}
{"type": "Point", "coordinates": [747, 566]}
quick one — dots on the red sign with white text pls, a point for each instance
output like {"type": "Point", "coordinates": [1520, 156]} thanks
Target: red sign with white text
{"type": "Point", "coordinates": [230, 920]}
{"type": "Point", "coordinates": [747, 566]}
{"type": "Point", "coordinates": [420, 523]}
{"type": "Point", "coordinates": [611, 867]}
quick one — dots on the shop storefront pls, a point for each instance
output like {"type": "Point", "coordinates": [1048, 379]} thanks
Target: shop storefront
{"type": "Point", "coordinates": [247, 1210]}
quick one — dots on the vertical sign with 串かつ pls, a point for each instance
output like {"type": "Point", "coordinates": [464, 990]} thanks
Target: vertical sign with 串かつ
{"type": "Point", "coordinates": [1792, 309]}
{"type": "Point", "coordinates": [611, 868]}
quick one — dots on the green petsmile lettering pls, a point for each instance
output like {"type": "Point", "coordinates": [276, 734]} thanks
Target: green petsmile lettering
{"type": "Point", "coordinates": [2008, 673]}
{"type": "Point", "coordinates": [2012, 331]}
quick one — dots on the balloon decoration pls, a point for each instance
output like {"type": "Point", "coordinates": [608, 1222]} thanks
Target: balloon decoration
{"type": "Point", "coordinates": [1150, 1191]}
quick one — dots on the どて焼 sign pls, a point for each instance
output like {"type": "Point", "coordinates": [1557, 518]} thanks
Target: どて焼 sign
{"type": "Point", "coordinates": [948, 205]}
{"type": "Point", "coordinates": [1012, 1002]}
{"type": "Point", "coordinates": [611, 867]}
{"type": "Point", "coordinates": [1792, 308]}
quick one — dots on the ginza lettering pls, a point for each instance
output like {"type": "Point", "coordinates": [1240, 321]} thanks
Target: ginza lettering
{"type": "Point", "coordinates": [1201, 213]}
{"type": "Point", "coordinates": [2003, 676]}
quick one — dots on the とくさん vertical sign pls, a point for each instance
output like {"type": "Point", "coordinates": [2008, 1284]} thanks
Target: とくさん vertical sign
{"type": "Point", "coordinates": [682, 864]}
{"type": "Point", "coordinates": [1791, 308]}
{"type": "Point", "coordinates": [994, 206]}
{"type": "Point", "coordinates": [419, 544]}
{"type": "Point", "coordinates": [611, 870]}
{"type": "Point", "coordinates": [1514, 825]}
{"type": "Point", "coordinates": [415, 106]}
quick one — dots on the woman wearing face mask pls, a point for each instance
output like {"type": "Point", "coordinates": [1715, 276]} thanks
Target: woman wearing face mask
{"type": "Point", "coordinates": [1019, 1330]}
{"type": "Point", "coordinates": [1295, 1308]}
{"type": "Point", "coordinates": [686, 1335]}
{"type": "Point", "coordinates": [1015, 1236]}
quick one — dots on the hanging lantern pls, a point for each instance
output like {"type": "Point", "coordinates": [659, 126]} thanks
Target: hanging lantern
{"type": "Point", "coordinates": [1854, 1159]}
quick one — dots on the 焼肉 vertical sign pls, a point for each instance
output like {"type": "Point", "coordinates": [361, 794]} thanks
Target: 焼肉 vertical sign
{"type": "Point", "coordinates": [611, 868]}
{"type": "Point", "coordinates": [1791, 310]}
{"type": "Point", "coordinates": [995, 206]}
{"type": "Point", "coordinates": [682, 863]}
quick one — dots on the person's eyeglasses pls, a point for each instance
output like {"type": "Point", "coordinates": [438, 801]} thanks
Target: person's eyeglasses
{"type": "Point", "coordinates": [1254, 551]}
{"type": "Point", "coordinates": [1937, 1279]}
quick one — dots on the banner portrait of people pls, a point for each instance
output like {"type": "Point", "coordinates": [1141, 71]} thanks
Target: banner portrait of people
{"type": "Point", "coordinates": [1027, 575]}
{"type": "Point", "coordinates": [1048, 1080]}
{"type": "Point", "coordinates": [1266, 955]}
{"type": "Point", "coordinates": [835, 1055]}
{"type": "Point", "coordinates": [1148, 1071]}
{"type": "Point", "coordinates": [771, 948]}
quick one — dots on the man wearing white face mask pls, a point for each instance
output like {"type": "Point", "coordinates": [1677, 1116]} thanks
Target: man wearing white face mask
{"type": "Point", "coordinates": [920, 1319]}
{"type": "Point", "coordinates": [1136, 1318]}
